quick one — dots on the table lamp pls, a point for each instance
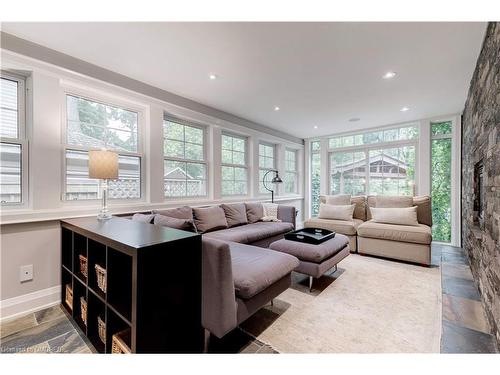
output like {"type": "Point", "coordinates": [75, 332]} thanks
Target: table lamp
{"type": "Point", "coordinates": [103, 165]}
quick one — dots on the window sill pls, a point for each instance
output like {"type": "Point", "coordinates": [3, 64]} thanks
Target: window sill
{"type": "Point", "coordinates": [30, 216]}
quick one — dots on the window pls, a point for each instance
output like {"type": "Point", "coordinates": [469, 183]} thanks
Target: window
{"type": "Point", "coordinates": [291, 173]}
{"type": "Point", "coordinates": [379, 136]}
{"type": "Point", "coordinates": [93, 125]}
{"type": "Point", "coordinates": [185, 168]}
{"type": "Point", "coordinates": [376, 163]}
{"type": "Point", "coordinates": [315, 177]}
{"type": "Point", "coordinates": [13, 146]}
{"type": "Point", "coordinates": [266, 163]}
{"type": "Point", "coordinates": [441, 166]}
{"type": "Point", "coordinates": [233, 169]}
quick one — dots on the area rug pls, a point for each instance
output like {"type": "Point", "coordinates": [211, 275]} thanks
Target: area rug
{"type": "Point", "coordinates": [369, 305]}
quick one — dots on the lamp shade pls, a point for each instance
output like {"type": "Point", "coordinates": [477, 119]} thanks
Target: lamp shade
{"type": "Point", "coordinates": [276, 179]}
{"type": "Point", "coordinates": [103, 164]}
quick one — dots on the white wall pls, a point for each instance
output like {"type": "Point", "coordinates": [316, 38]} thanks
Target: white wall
{"type": "Point", "coordinates": [30, 234]}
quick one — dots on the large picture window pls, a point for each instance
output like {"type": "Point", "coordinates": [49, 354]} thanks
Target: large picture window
{"type": "Point", "coordinates": [376, 163]}
{"type": "Point", "coordinates": [234, 173]}
{"type": "Point", "coordinates": [13, 145]}
{"type": "Point", "coordinates": [185, 168]}
{"type": "Point", "coordinates": [94, 125]}
{"type": "Point", "coordinates": [291, 172]}
{"type": "Point", "coordinates": [441, 145]}
{"type": "Point", "coordinates": [267, 161]}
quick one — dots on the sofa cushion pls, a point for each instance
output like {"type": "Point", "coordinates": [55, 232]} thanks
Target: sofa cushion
{"type": "Point", "coordinates": [209, 219]}
{"type": "Point", "coordinates": [348, 228]}
{"type": "Point", "coordinates": [424, 209]}
{"type": "Point", "coordinates": [333, 212]}
{"type": "Point", "coordinates": [396, 201]}
{"type": "Point", "coordinates": [255, 212]}
{"type": "Point", "coordinates": [309, 252]}
{"type": "Point", "coordinates": [173, 222]}
{"type": "Point", "coordinates": [398, 216]}
{"type": "Point", "coordinates": [403, 233]}
{"type": "Point", "coordinates": [338, 200]}
{"type": "Point", "coordinates": [360, 209]}
{"type": "Point", "coordinates": [236, 214]}
{"type": "Point", "coordinates": [143, 218]}
{"type": "Point", "coordinates": [255, 268]}
{"type": "Point", "coordinates": [184, 212]}
{"type": "Point", "coordinates": [252, 232]}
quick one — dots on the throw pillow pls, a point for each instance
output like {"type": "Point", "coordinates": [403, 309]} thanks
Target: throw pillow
{"type": "Point", "coordinates": [255, 212]}
{"type": "Point", "coordinates": [333, 212]}
{"type": "Point", "coordinates": [143, 218]}
{"type": "Point", "coordinates": [270, 212]}
{"type": "Point", "coordinates": [236, 214]}
{"type": "Point", "coordinates": [208, 219]}
{"type": "Point", "coordinates": [393, 201]}
{"type": "Point", "coordinates": [172, 222]}
{"type": "Point", "coordinates": [398, 215]}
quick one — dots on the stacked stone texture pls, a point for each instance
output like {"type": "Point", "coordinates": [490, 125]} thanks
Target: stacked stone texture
{"type": "Point", "coordinates": [481, 142]}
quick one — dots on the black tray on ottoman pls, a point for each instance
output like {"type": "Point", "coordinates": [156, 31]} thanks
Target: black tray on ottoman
{"type": "Point", "coordinates": [312, 236]}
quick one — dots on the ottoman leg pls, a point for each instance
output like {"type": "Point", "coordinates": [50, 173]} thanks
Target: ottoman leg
{"type": "Point", "coordinates": [310, 283]}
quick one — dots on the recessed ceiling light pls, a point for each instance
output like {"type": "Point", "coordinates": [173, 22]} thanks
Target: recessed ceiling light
{"type": "Point", "coordinates": [404, 109]}
{"type": "Point", "coordinates": [276, 108]}
{"type": "Point", "coordinates": [389, 75]}
{"type": "Point", "coordinates": [212, 76]}
{"type": "Point", "coordinates": [315, 126]}
{"type": "Point", "coordinates": [354, 119]}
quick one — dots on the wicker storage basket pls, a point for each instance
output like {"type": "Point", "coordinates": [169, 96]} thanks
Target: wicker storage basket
{"type": "Point", "coordinates": [101, 328]}
{"type": "Point", "coordinates": [118, 342]}
{"type": "Point", "coordinates": [83, 309]}
{"type": "Point", "coordinates": [83, 265]}
{"type": "Point", "coordinates": [69, 296]}
{"type": "Point", "coordinates": [101, 277]}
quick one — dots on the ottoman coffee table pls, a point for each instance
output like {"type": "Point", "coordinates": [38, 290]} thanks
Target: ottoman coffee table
{"type": "Point", "coordinates": [315, 260]}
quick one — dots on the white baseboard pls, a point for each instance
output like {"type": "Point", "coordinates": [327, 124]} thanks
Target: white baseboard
{"type": "Point", "coordinates": [27, 303]}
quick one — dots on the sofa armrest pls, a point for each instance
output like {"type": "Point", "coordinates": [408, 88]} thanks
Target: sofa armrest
{"type": "Point", "coordinates": [287, 214]}
{"type": "Point", "coordinates": [218, 295]}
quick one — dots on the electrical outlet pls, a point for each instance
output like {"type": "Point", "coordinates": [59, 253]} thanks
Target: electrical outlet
{"type": "Point", "coordinates": [26, 273]}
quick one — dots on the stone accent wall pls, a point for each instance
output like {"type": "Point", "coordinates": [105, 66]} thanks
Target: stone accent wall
{"type": "Point", "coordinates": [481, 141]}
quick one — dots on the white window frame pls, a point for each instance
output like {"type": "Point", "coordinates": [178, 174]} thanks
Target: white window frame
{"type": "Point", "coordinates": [108, 101]}
{"type": "Point", "coordinates": [374, 146]}
{"type": "Point", "coordinates": [245, 166]}
{"type": "Point", "coordinates": [21, 139]}
{"type": "Point", "coordinates": [455, 176]}
{"type": "Point", "coordinates": [295, 171]}
{"type": "Point", "coordinates": [266, 169]}
{"type": "Point", "coordinates": [179, 120]}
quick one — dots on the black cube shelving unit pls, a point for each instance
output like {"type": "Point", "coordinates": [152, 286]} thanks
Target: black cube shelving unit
{"type": "Point", "coordinates": [147, 290]}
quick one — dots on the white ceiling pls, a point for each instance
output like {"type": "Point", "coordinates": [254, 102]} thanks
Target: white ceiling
{"type": "Point", "coordinates": [318, 73]}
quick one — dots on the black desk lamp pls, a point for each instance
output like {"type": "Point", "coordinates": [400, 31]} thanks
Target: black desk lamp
{"type": "Point", "coordinates": [276, 180]}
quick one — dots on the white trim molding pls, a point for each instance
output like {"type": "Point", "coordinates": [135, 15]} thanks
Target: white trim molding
{"type": "Point", "coordinates": [27, 303]}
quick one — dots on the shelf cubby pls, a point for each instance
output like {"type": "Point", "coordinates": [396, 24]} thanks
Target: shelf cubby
{"type": "Point", "coordinates": [97, 255]}
{"type": "Point", "coordinates": [115, 324]}
{"type": "Point", "coordinates": [67, 249]}
{"type": "Point", "coordinates": [79, 248]}
{"type": "Point", "coordinates": [120, 282]}
{"type": "Point", "coordinates": [79, 290]}
{"type": "Point", "coordinates": [95, 308]}
{"type": "Point", "coordinates": [66, 279]}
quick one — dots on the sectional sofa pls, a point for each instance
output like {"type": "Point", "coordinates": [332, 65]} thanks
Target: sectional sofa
{"type": "Point", "coordinates": [411, 243]}
{"type": "Point", "coordinates": [240, 274]}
